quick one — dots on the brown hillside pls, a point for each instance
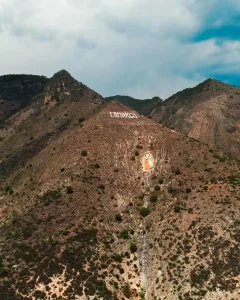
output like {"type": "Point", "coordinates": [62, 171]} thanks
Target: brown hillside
{"type": "Point", "coordinates": [209, 112]}
{"type": "Point", "coordinates": [83, 219]}
{"type": "Point", "coordinates": [65, 103]}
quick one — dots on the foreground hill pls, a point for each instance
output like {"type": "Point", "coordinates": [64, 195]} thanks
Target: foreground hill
{"type": "Point", "coordinates": [16, 91]}
{"type": "Point", "coordinates": [117, 208]}
{"type": "Point", "coordinates": [144, 107]}
{"type": "Point", "coordinates": [209, 112]}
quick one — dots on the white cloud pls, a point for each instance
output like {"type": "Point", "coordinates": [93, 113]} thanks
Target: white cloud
{"type": "Point", "coordinates": [115, 46]}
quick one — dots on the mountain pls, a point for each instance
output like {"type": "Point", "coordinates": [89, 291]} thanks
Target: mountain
{"type": "Point", "coordinates": [16, 91]}
{"type": "Point", "coordinates": [64, 103]}
{"type": "Point", "coordinates": [209, 112]}
{"type": "Point", "coordinates": [116, 207]}
{"type": "Point", "coordinates": [144, 107]}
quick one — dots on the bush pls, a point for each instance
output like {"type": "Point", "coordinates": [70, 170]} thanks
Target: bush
{"type": "Point", "coordinates": [144, 211]}
{"type": "Point", "coordinates": [136, 153]}
{"type": "Point", "coordinates": [126, 291]}
{"type": "Point", "coordinates": [63, 169]}
{"type": "Point", "coordinates": [176, 208]}
{"type": "Point", "coordinates": [69, 189]}
{"type": "Point", "coordinates": [133, 247]}
{"type": "Point", "coordinates": [84, 153]}
{"type": "Point", "coordinates": [157, 188]}
{"type": "Point", "coordinates": [118, 218]}
{"type": "Point", "coordinates": [188, 190]}
{"type": "Point", "coordinates": [102, 186]}
{"type": "Point", "coordinates": [177, 171]}
{"type": "Point", "coordinates": [153, 198]}
{"type": "Point", "coordinates": [124, 234]}
{"type": "Point", "coordinates": [133, 158]}
{"type": "Point", "coordinates": [160, 181]}
{"type": "Point", "coordinates": [170, 189]}
{"type": "Point", "coordinates": [96, 166]}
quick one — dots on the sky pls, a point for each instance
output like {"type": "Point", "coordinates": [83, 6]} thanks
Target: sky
{"type": "Point", "coordinates": [140, 48]}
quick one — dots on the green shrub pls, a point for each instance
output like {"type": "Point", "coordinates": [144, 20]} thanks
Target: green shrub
{"type": "Point", "coordinates": [136, 153]}
{"type": "Point", "coordinates": [118, 218]}
{"type": "Point", "coordinates": [62, 169]}
{"type": "Point", "coordinates": [84, 153]}
{"type": "Point", "coordinates": [144, 211]}
{"type": "Point", "coordinates": [157, 188]}
{"type": "Point", "coordinates": [133, 247]}
{"type": "Point", "coordinates": [124, 234]}
{"type": "Point", "coordinates": [102, 186]}
{"type": "Point", "coordinates": [133, 158]}
{"type": "Point", "coordinates": [153, 198]}
{"type": "Point", "coordinates": [49, 197]}
{"type": "Point", "coordinates": [188, 190]}
{"type": "Point", "coordinates": [69, 189]}
{"type": "Point", "coordinates": [160, 181]}
{"type": "Point", "coordinates": [177, 171]}
{"type": "Point", "coordinates": [170, 189]}
{"type": "Point", "coordinates": [176, 208]}
{"type": "Point", "coordinates": [96, 166]}
{"type": "Point", "coordinates": [126, 291]}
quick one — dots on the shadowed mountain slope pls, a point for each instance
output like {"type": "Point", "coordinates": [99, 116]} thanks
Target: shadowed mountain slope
{"type": "Point", "coordinates": [16, 92]}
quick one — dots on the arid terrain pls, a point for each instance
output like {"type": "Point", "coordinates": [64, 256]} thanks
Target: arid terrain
{"type": "Point", "coordinates": [100, 202]}
{"type": "Point", "coordinates": [210, 112]}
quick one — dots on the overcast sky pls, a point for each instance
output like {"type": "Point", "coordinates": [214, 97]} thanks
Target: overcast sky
{"type": "Point", "coordinates": [141, 48]}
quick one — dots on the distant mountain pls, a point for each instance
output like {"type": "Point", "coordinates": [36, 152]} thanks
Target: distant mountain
{"type": "Point", "coordinates": [16, 91]}
{"type": "Point", "coordinates": [209, 112]}
{"type": "Point", "coordinates": [144, 107]}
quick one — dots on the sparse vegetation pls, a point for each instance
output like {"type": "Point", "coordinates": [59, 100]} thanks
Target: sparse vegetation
{"type": "Point", "coordinates": [84, 153]}
{"type": "Point", "coordinates": [153, 198]}
{"type": "Point", "coordinates": [118, 218]}
{"type": "Point", "coordinates": [127, 291]}
{"type": "Point", "coordinates": [69, 189]}
{"type": "Point", "coordinates": [133, 247]}
{"type": "Point", "coordinates": [144, 211]}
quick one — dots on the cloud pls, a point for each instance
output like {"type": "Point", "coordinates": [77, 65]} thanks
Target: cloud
{"type": "Point", "coordinates": [138, 47]}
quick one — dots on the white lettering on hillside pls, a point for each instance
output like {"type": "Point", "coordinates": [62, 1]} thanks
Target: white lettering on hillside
{"type": "Point", "coordinates": [123, 115]}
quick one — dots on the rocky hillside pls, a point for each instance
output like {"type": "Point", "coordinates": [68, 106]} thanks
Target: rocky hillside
{"type": "Point", "coordinates": [144, 107]}
{"type": "Point", "coordinates": [210, 112]}
{"type": "Point", "coordinates": [115, 207]}
{"type": "Point", "coordinates": [65, 103]}
{"type": "Point", "coordinates": [16, 91]}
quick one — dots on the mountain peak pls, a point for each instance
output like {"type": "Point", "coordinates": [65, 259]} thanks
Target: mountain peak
{"type": "Point", "coordinates": [63, 86]}
{"type": "Point", "coordinates": [62, 74]}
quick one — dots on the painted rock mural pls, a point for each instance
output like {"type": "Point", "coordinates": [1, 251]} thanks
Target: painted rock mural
{"type": "Point", "coordinates": [148, 162]}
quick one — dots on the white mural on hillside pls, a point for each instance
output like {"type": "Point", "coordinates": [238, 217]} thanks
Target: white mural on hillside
{"type": "Point", "coordinates": [123, 115]}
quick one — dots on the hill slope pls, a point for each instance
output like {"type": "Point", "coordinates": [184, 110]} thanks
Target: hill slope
{"type": "Point", "coordinates": [64, 103]}
{"type": "Point", "coordinates": [119, 207]}
{"type": "Point", "coordinates": [209, 112]}
{"type": "Point", "coordinates": [16, 91]}
{"type": "Point", "coordinates": [144, 107]}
